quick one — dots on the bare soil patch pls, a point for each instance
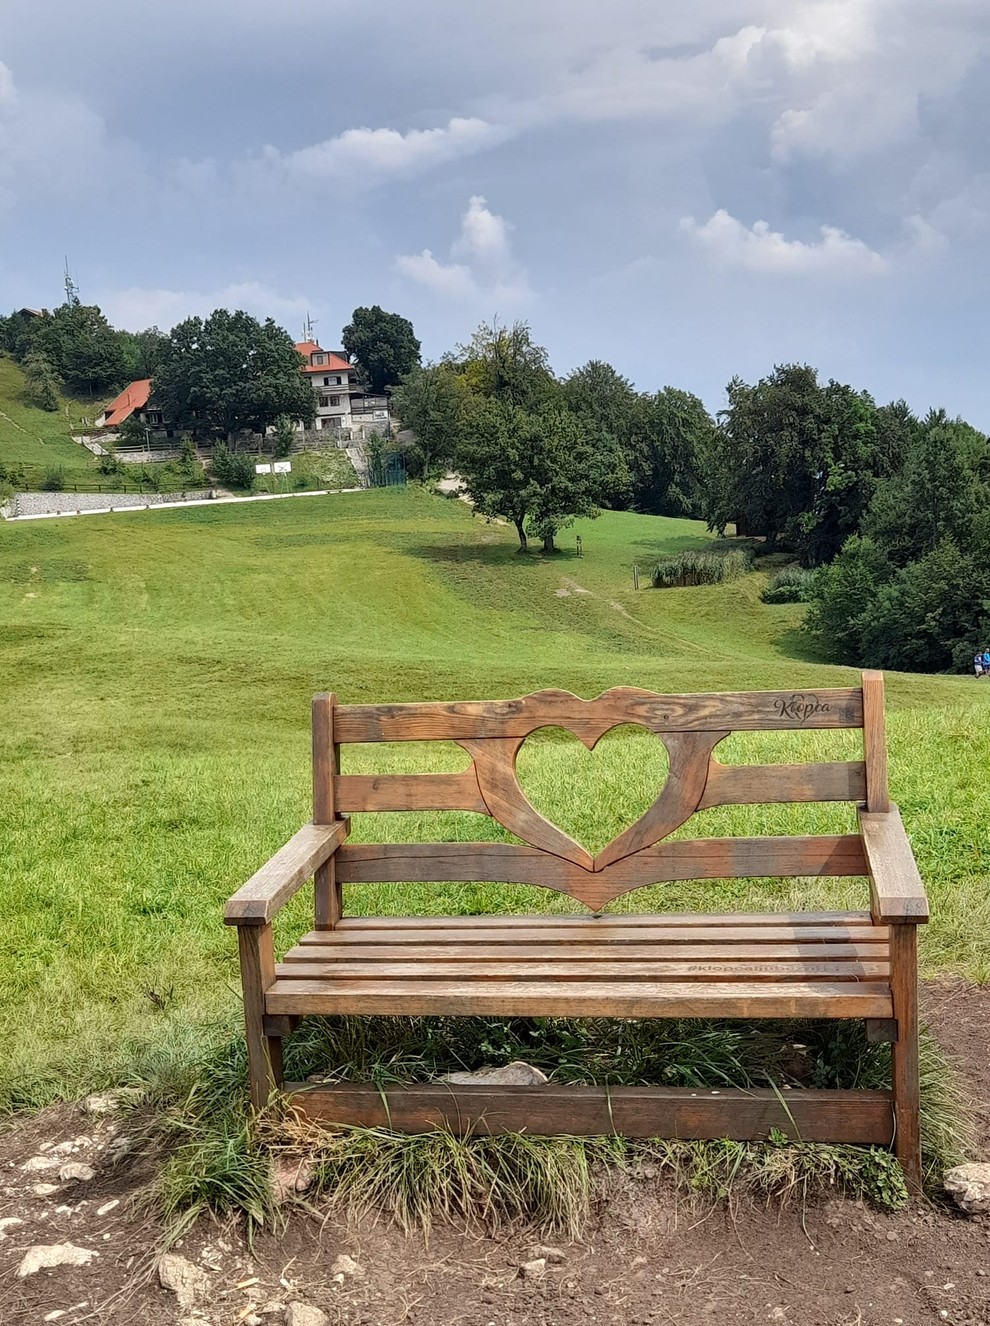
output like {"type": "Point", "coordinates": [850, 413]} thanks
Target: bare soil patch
{"type": "Point", "coordinates": [648, 1257]}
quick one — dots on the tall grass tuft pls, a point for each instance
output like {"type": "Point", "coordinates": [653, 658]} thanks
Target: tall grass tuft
{"type": "Point", "coordinates": [700, 568]}
{"type": "Point", "coordinates": [219, 1159]}
{"type": "Point", "coordinates": [789, 585]}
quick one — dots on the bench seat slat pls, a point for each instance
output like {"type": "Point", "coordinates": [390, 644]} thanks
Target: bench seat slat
{"type": "Point", "coordinates": [567, 921]}
{"type": "Point", "coordinates": [616, 935]}
{"type": "Point", "coordinates": [592, 998]}
{"type": "Point", "coordinates": [582, 954]}
{"type": "Point", "coordinates": [604, 969]}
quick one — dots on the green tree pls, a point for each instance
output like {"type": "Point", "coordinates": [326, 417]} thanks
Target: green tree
{"type": "Point", "coordinates": [133, 433]}
{"type": "Point", "coordinates": [668, 452]}
{"type": "Point", "coordinates": [505, 364]}
{"type": "Point", "coordinates": [383, 345]}
{"type": "Point", "coordinates": [42, 381]}
{"type": "Point", "coordinates": [229, 373]}
{"type": "Point", "coordinates": [81, 344]}
{"type": "Point", "coordinates": [432, 403]}
{"type": "Point", "coordinates": [228, 468]}
{"type": "Point", "coordinates": [141, 351]}
{"type": "Point", "coordinates": [284, 437]}
{"type": "Point", "coordinates": [539, 469]}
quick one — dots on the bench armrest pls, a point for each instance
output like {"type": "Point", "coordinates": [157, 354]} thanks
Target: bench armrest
{"type": "Point", "coordinates": [257, 901]}
{"type": "Point", "coordinates": [897, 892]}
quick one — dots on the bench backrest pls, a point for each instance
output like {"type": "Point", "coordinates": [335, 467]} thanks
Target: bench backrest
{"type": "Point", "coordinates": [690, 727]}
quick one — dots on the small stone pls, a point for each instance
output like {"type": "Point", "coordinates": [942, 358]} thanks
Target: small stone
{"type": "Point", "coordinates": [291, 1178]}
{"type": "Point", "coordinates": [75, 1172]}
{"type": "Point", "coordinates": [302, 1314]}
{"type": "Point", "coordinates": [44, 1257]}
{"type": "Point", "coordinates": [344, 1265]}
{"type": "Point", "coordinates": [40, 1162]}
{"type": "Point", "coordinates": [44, 1189]}
{"type": "Point", "coordinates": [107, 1207]}
{"type": "Point", "coordinates": [186, 1281]}
{"type": "Point", "coordinates": [517, 1074]}
{"type": "Point", "coordinates": [557, 1255]}
{"type": "Point", "coordinates": [534, 1270]}
{"type": "Point", "coordinates": [969, 1186]}
{"type": "Point", "coordinates": [892, 1236]}
{"type": "Point", "coordinates": [109, 1102]}
{"type": "Point", "coordinates": [9, 1222]}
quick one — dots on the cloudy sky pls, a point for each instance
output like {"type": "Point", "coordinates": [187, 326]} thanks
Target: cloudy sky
{"type": "Point", "coordinates": [687, 190]}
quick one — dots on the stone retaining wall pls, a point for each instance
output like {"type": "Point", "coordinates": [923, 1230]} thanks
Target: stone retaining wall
{"type": "Point", "coordinates": [41, 504]}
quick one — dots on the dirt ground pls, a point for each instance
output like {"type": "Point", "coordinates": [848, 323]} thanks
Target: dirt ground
{"type": "Point", "coordinates": [648, 1258]}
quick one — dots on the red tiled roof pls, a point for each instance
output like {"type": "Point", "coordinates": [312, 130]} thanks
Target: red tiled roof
{"type": "Point", "coordinates": [133, 397]}
{"type": "Point", "coordinates": [334, 363]}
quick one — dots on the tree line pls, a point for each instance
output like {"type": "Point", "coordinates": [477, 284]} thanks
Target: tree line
{"type": "Point", "coordinates": [891, 512]}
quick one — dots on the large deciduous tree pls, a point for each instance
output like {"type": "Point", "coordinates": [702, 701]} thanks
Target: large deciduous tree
{"type": "Point", "coordinates": [84, 349]}
{"type": "Point", "coordinates": [431, 402]}
{"type": "Point", "coordinates": [383, 345]}
{"type": "Point", "coordinates": [42, 381]}
{"type": "Point", "coordinates": [230, 374]}
{"type": "Point", "coordinates": [539, 468]}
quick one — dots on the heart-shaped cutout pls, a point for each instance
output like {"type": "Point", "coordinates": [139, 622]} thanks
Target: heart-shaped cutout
{"type": "Point", "coordinates": [593, 796]}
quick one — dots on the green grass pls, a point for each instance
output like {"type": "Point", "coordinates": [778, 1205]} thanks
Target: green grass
{"type": "Point", "coordinates": [40, 440]}
{"type": "Point", "coordinates": [154, 692]}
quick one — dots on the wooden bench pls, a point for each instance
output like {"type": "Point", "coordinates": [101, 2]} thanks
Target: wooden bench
{"type": "Point", "coordinates": [859, 964]}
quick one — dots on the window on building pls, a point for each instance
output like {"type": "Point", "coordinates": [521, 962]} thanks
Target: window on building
{"type": "Point", "coordinates": [325, 401]}
{"type": "Point", "coordinates": [317, 359]}
{"type": "Point", "coordinates": [333, 400]}
{"type": "Point", "coordinates": [338, 381]}
{"type": "Point", "coordinates": [326, 382]}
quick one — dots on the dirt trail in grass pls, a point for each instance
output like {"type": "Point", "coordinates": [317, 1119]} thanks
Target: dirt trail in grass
{"type": "Point", "coordinates": [647, 1257]}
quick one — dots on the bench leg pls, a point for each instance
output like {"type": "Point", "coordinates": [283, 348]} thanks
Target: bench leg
{"type": "Point", "coordinates": [257, 952]}
{"type": "Point", "coordinates": [904, 1053]}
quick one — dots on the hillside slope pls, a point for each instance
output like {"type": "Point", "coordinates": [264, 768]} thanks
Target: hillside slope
{"type": "Point", "coordinates": [40, 440]}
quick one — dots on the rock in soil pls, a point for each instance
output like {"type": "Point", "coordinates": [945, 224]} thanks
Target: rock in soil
{"type": "Point", "coordinates": [345, 1265]}
{"type": "Point", "coordinates": [187, 1281]}
{"type": "Point", "coordinates": [44, 1257]}
{"type": "Point", "coordinates": [290, 1178]}
{"type": "Point", "coordinates": [109, 1102]}
{"type": "Point", "coordinates": [555, 1256]}
{"type": "Point", "coordinates": [77, 1173]}
{"type": "Point", "coordinates": [516, 1074]}
{"type": "Point", "coordinates": [970, 1187]}
{"type": "Point", "coordinates": [301, 1314]}
{"type": "Point", "coordinates": [534, 1270]}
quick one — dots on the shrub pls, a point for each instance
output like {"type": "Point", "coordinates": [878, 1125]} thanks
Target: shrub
{"type": "Point", "coordinates": [237, 471]}
{"type": "Point", "coordinates": [54, 480]}
{"type": "Point", "coordinates": [700, 568]}
{"type": "Point", "coordinates": [283, 437]}
{"type": "Point", "coordinates": [791, 585]}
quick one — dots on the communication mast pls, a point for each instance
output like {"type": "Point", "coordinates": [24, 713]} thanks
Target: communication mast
{"type": "Point", "coordinates": [308, 326]}
{"type": "Point", "coordinates": [71, 289]}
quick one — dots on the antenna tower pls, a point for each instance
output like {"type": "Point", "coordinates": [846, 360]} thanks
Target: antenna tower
{"type": "Point", "coordinates": [308, 326]}
{"type": "Point", "coordinates": [71, 289]}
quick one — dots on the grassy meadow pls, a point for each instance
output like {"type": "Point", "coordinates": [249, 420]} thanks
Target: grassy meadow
{"type": "Point", "coordinates": [155, 677]}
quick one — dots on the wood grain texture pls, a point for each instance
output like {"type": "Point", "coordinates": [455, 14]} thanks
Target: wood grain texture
{"type": "Point", "coordinates": [896, 887]}
{"type": "Point", "coordinates": [861, 1117]}
{"type": "Point", "coordinates": [495, 766]}
{"type": "Point", "coordinates": [612, 936]}
{"type": "Point", "coordinates": [611, 998]}
{"type": "Point", "coordinates": [905, 1061]}
{"type": "Point", "coordinates": [416, 967]}
{"type": "Point", "coordinates": [257, 901]}
{"type": "Point", "coordinates": [257, 955]}
{"type": "Point", "coordinates": [327, 900]}
{"type": "Point", "coordinates": [508, 863]}
{"type": "Point", "coordinates": [875, 742]}
{"type": "Point", "coordinates": [583, 956]}
{"type": "Point", "coordinates": [449, 791]}
{"type": "Point", "coordinates": [763, 784]}
{"type": "Point", "coordinates": [590, 719]}
{"type": "Point", "coordinates": [592, 926]}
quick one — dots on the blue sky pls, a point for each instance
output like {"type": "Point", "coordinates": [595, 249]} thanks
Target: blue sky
{"type": "Point", "coordinates": [688, 191]}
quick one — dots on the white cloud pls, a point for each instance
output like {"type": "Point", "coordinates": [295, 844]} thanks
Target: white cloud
{"type": "Point", "coordinates": [359, 158]}
{"type": "Point", "coordinates": [760, 249]}
{"type": "Point", "coordinates": [481, 262]}
{"type": "Point", "coordinates": [136, 307]}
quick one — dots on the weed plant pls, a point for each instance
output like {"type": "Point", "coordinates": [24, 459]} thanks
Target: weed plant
{"type": "Point", "coordinates": [700, 568]}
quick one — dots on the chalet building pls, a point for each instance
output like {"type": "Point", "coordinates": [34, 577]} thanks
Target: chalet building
{"type": "Point", "coordinates": [135, 400]}
{"type": "Point", "coordinates": [341, 402]}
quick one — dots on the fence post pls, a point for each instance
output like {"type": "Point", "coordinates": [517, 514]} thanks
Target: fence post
{"type": "Point", "coordinates": [635, 576]}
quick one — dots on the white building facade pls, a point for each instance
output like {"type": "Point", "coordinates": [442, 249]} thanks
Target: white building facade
{"type": "Point", "coordinates": [342, 406]}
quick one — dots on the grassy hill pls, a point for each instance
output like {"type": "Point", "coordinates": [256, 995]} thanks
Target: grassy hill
{"type": "Point", "coordinates": [157, 671]}
{"type": "Point", "coordinates": [41, 440]}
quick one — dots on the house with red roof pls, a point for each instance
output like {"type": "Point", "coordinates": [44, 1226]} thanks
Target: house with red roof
{"type": "Point", "coordinates": [134, 400]}
{"type": "Point", "coordinates": [341, 401]}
